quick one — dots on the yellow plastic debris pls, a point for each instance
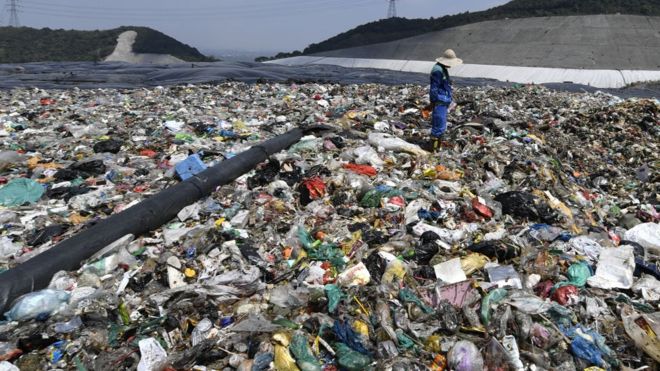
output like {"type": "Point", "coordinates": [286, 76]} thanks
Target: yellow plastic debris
{"type": "Point", "coordinates": [473, 262]}
{"type": "Point", "coordinates": [190, 273]}
{"type": "Point", "coordinates": [283, 359]}
{"type": "Point", "coordinates": [361, 328]}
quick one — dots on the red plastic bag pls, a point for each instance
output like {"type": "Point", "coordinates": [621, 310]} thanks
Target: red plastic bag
{"type": "Point", "coordinates": [361, 169]}
{"type": "Point", "coordinates": [46, 101]}
{"type": "Point", "coordinates": [481, 208]}
{"type": "Point", "coordinates": [148, 152]}
{"type": "Point", "coordinates": [316, 187]}
{"type": "Point", "coordinates": [543, 289]}
{"type": "Point", "coordinates": [566, 295]}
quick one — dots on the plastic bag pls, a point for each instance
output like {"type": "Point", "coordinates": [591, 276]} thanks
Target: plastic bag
{"type": "Point", "coordinates": [473, 262]}
{"type": "Point", "coordinates": [481, 208]}
{"type": "Point", "coordinates": [643, 330]}
{"type": "Point", "coordinates": [6, 366]}
{"type": "Point", "coordinates": [393, 143]}
{"type": "Point", "coordinates": [303, 354]}
{"type": "Point", "coordinates": [465, 356]}
{"type": "Point", "coordinates": [350, 359]}
{"type": "Point", "coordinates": [649, 286]}
{"type": "Point", "coordinates": [525, 205]}
{"type": "Point", "coordinates": [374, 196]}
{"type": "Point", "coordinates": [615, 269]}
{"type": "Point", "coordinates": [20, 191]}
{"type": "Point", "coordinates": [283, 359]}
{"type": "Point", "coordinates": [585, 246]}
{"type": "Point", "coordinates": [345, 333]}
{"type": "Point", "coordinates": [8, 248]}
{"type": "Point", "coordinates": [35, 304]}
{"type": "Point", "coordinates": [578, 274]}
{"type": "Point", "coordinates": [495, 356]}
{"type": "Point", "coordinates": [357, 275]}
{"type": "Point", "coordinates": [9, 159]}
{"type": "Point", "coordinates": [69, 326]}
{"type": "Point", "coordinates": [361, 169]}
{"type": "Point", "coordinates": [495, 250]}
{"type": "Point", "coordinates": [152, 355]}
{"type": "Point", "coordinates": [566, 295]}
{"type": "Point", "coordinates": [367, 155]}
{"type": "Point", "coordinates": [446, 235]}
{"type": "Point", "coordinates": [450, 271]}
{"type": "Point", "coordinates": [334, 297]}
{"type": "Point", "coordinates": [504, 276]}
{"type": "Point", "coordinates": [512, 352]}
{"type": "Point", "coordinates": [408, 296]}
{"type": "Point", "coordinates": [590, 345]}
{"type": "Point", "coordinates": [492, 298]}
{"type": "Point", "coordinates": [311, 189]}
{"type": "Point", "coordinates": [201, 331]}
{"type": "Point", "coordinates": [528, 303]}
{"type": "Point", "coordinates": [586, 350]}
{"type": "Point", "coordinates": [395, 269]}
{"type": "Point", "coordinates": [387, 349]}
{"type": "Point", "coordinates": [109, 146]}
{"type": "Point", "coordinates": [647, 235]}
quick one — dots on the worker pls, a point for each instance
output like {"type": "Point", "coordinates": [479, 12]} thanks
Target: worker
{"type": "Point", "coordinates": [441, 95]}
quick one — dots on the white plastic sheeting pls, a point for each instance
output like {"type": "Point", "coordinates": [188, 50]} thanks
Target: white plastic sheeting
{"type": "Point", "coordinates": [524, 75]}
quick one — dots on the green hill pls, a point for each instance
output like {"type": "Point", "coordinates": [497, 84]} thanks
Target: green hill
{"type": "Point", "coordinates": [391, 29]}
{"type": "Point", "coordinates": [25, 44]}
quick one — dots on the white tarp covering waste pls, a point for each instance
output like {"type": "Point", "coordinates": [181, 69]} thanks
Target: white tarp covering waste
{"type": "Point", "coordinates": [524, 75]}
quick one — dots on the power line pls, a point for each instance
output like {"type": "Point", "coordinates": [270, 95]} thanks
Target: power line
{"type": "Point", "coordinates": [129, 14]}
{"type": "Point", "coordinates": [391, 10]}
{"type": "Point", "coordinates": [292, 5]}
{"type": "Point", "coordinates": [13, 13]}
{"type": "Point", "coordinates": [277, 3]}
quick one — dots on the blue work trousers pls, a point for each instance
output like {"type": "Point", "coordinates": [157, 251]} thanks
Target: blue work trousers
{"type": "Point", "coordinates": [439, 120]}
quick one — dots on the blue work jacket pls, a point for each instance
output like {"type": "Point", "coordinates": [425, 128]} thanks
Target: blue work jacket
{"type": "Point", "coordinates": [440, 85]}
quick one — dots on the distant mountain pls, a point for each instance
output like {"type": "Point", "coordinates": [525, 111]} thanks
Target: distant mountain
{"type": "Point", "coordinates": [391, 29]}
{"type": "Point", "coordinates": [25, 44]}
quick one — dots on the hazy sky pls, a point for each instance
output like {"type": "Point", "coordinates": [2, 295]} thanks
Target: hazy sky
{"type": "Point", "coordinates": [256, 25]}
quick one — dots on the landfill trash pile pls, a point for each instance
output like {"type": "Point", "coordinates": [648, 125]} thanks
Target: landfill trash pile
{"type": "Point", "coordinates": [530, 241]}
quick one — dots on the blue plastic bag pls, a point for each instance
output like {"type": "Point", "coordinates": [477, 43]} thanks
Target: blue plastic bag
{"type": "Point", "coordinates": [20, 191]}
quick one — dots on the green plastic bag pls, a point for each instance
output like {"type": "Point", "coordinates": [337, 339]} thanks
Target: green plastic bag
{"type": "Point", "coordinates": [303, 354]}
{"type": "Point", "coordinates": [334, 296]}
{"type": "Point", "coordinates": [405, 342]}
{"type": "Point", "coordinates": [305, 238]}
{"type": "Point", "coordinates": [578, 274]}
{"type": "Point", "coordinates": [20, 191]}
{"type": "Point", "coordinates": [321, 251]}
{"type": "Point", "coordinates": [407, 296]}
{"type": "Point", "coordinates": [491, 298]}
{"type": "Point", "coordinates": [329, 253]}
{"type": "Point", "coordinates": [350, 359]}
{"type": "Point", "coordinates": [373, 197]}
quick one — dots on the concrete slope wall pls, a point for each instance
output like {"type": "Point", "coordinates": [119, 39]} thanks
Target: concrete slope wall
{"type": "Point", "coordinates": [593, 42]}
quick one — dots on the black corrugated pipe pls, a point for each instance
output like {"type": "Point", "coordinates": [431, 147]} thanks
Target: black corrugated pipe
{"type": "Point", "coordinates": [146, 216]}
